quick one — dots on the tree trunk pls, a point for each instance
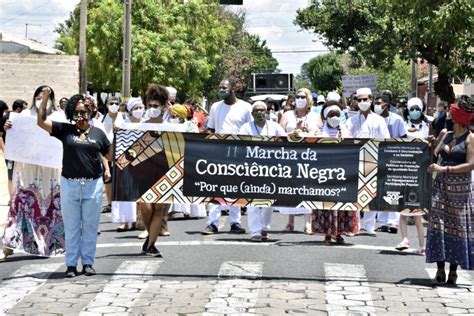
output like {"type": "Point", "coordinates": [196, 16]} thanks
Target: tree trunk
{"type": "Point", "coordinates": [444, 89]}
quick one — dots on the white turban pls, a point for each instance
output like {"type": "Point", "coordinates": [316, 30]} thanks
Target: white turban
{"type": "Point", "coordinates": [364, 91]}
{"type": "Point", "coordinates": [414, 101]}
{"type": "Point", "coordinates": [329, 109]}
{"type": "Point", "coordinates": [132, 102]}
{"type": "Point", "coordinates": [171, 91]}
{"type": "Point", "coordinates": [258, 103]}
{"type": "Point", "coordinates": [321, 99]}
{"type": "Point", "coordinates": [333, 96]}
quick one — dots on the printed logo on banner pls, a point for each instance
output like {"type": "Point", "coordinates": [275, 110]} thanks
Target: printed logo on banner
{"type": "Point", "coordinates": [392, 198]}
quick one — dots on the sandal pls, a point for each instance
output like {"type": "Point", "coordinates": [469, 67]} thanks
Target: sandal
{"type": "Point", "coordinates": [327, 240]}
{"type": "Point", "coordinates": [123, 228]}
{"type": "Point", "coordinates": [420, 251]}
{"type": "Point", "coordinates": [402, 246]}
{"type": "Point", "coordinates": [289, 228]}
{"type": "Point", "coordinates": [440, 278]}
{"type": "Point", "coordinates": [339, 240]}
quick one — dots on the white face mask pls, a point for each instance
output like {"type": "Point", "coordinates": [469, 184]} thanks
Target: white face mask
{"type": "Point", "coordinates": [301, 103]}
{"type": "Point", "coordinates": [378, 109]}
{"type": "Point", "coordinates": [137, 113]}
{"type": "Point", "coordinates": [114, 108]}
{"type": "Point", "coordinates": [153, 112]}
{"type": "Point", "coordinates": [334, 121]}
{"type": "Point", "coordinates": [364, 106]}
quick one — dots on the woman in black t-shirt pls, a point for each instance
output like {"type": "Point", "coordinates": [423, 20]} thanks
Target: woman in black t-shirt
{"type": "Point", "coordinates": [81, 179]}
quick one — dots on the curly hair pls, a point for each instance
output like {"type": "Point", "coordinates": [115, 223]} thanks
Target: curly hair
{"type": "Point", "coordinates": [71, 106]}
{"type": "Point", "coordinates": [157, 92]}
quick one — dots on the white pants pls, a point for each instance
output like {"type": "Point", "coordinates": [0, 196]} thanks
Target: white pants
{"type": "Point", "coordinates": [368, 222]}
{"type": "Point", "coordinates": [258, 219]}
{"type": "Point", "coordinates": [388, 218]}
{"type": "Point", "coordinates": [193, 210]}
{"type": "Point", "coordinates": [215, 214]}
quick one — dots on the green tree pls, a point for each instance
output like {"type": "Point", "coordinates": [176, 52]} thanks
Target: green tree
{"type": "Point", "coordinates": [325, 72]}
{"type": "Point", "coordinates": [176, 44]}
{"type": "Point", "coordinates": [441, 32]}
{"type": "Point", "coordinates": [396, 79]}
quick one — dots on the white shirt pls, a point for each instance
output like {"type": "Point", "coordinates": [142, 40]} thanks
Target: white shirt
{"type": "Point", "coordinates": [228, 119]}
{"type": "Point", "coordinates": [396, 125]}
{"type": "Point", "coordinates": [310, 121]}
{"type": "Point", "coordinates": [373, 126]}
{"type": "Point", "coordinates": [269, 129]}
{"type": "Point", "coordinates": [109, 125]}
{"type": "Point", "coordinates": [422, 130]}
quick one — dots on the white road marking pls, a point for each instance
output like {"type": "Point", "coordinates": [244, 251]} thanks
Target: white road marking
{"type": "Point", "coordinates": [23, 282]}
{"type": "Point", "coordinates": [124, 289]}
{"type": "Point", "coordinates": [236, 243]}
{"type": "Point", "coordinates": [237, 291]}
{"type": "Point", "coordinates": [347, 290]}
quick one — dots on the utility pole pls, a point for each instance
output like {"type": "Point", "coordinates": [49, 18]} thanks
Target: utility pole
{"type": "Point", "coordinates": [127, 49]}
{"type": "Point", "coordinates": [26, 28]}
{"type": "Point", "coordinates": [82, 48]}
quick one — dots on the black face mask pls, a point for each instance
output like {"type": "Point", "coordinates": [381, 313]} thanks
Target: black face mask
{"type": "Point", "coordinates": [93, 114]}
{"type": "Point", "coordinates": [449, 124]}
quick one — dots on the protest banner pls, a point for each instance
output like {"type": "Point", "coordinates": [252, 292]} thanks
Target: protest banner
{"type": "Point", "coordinates": [350, 84]}
{"type": "Point", "coordinates": [27, 142]}
{"type": "Point", "coordinates": [170, 167]}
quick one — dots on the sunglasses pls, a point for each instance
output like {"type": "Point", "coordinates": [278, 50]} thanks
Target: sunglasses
{"type": "Point", "coordinates": [415, 109]}
{"type": "Point", "coordinates": [114, 103]}
{"type": "Point", "coordinates": [363, 99]}
{"type": "Point", "coordinates": [80, 113]}
{"type": "Point", "coordinates": [300, 97]}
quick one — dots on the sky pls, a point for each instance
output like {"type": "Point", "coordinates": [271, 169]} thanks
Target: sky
{"type": "Point", "coordinates": [272, 20]}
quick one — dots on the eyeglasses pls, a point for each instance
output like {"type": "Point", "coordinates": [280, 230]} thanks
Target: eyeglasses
{"type": "Point", "coordinates": [300, 97]}
{"type": "Point", "coordinates": [80, 113]}
{"type": "Point", "coordinates": [114, 103]}
{"type": "Point", "coordinates": [362, 99]}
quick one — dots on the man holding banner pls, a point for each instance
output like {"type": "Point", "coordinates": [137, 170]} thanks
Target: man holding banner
{"type": "Point", "coordinates": [367, 124]}
{"type": "Point", "coordinates": [259, 217]}
{"type": "Point", "coordinates": [227, 117]}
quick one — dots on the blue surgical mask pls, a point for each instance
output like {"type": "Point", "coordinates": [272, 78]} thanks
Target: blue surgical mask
{"type": "Point", "coordinates": [415, 115]}
{"type": "Point", "coordinates": [224, 94]}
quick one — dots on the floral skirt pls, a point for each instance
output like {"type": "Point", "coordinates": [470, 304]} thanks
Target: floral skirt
{"type": "Point", "coordinates": [334, 223]}
{"type": "Point", "coordinates": [35, 224]}
{"type": "Point", "coordinates": [450, 235]}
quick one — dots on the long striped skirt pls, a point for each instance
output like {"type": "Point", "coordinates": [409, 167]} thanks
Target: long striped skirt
{"type": "Point", "coordinates": [450, 235]}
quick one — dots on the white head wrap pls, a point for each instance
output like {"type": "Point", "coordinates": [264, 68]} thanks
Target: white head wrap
{"type": "Point", "coordinates": [329, 109]}
{"type": "Point", "coordinates": [333, 96]}
{"type": "Point", "coordinates": [258, 103]}
{"type": "Point", "coordinates": [414, 101]}
{"type": "Point", "coordinates": [321, 99]}
{"type": "Point", "coordinates": [364, 91]}
{"type": "Point", "coordinates": [132, 102]}
{"type": "Point", "coordinates": [171, 91]}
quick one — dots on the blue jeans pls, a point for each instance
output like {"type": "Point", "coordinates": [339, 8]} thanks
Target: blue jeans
{"type": "Point", "coordinates": [81, 201]}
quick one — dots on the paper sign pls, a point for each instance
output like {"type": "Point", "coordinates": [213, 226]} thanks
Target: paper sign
{"type": "Point", "coordinates": [350, 84]}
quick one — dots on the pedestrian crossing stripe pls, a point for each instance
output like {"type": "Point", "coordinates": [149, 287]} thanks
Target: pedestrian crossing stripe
{"type": "Point", "coordinates": [137, 287]}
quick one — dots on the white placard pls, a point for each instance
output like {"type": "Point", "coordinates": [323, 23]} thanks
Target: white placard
{"type": "Point", "coordinates": [350, 84]}
{"type": "Point", "coordinates": [27, 142]}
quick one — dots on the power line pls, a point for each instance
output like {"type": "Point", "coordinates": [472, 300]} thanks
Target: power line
{"type": "Point", "coordinates": [25, 12]}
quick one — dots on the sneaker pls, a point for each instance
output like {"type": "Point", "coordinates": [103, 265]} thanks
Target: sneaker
{"type": "Point", "coordinates": [71, 272]}
{"type": "Point", "coordinates": [210, 230]}
{"type": "Point", "coordinates": [256, 238]}
{"type": "Point", "coordinates": [164, 233]}
{"type": "Point", "coordinates": [145, 246]}
{"type": "Point", "coordinates": [143, 235]}
{"type": "Point", "coordinates": [88, 270]}
{"type": "Point", "coordinates": [402, 246]}
{"type": "Point", "coordinates": [235, 228]}
{"type": "Point", "coordinates": [153, 252]}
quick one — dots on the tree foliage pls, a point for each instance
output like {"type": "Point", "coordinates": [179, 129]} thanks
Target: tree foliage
{"type": "Point", "coordinates": [325, 72]}
{"type": "Point", "coordinates": [173, 43]}
{"type": "Point", "coordinates": [441, 32]}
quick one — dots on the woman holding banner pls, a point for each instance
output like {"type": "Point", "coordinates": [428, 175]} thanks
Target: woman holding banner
{"type": "Point", "coordinates": [333, 224]}
{"type": "Point", "coordinates": [300, 122]}
{"type": "Point", "coordinates": [450, 235]}
{"type": "Point", "coordinates": [35, 225]}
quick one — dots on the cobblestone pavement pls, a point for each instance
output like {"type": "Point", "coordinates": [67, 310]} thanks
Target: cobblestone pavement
{"type": "Point", "coordinates": [136, 287]}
